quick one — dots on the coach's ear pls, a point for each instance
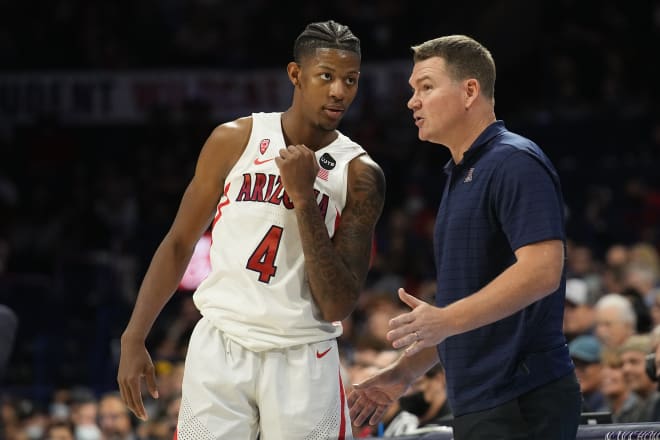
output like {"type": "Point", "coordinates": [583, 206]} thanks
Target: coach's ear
{"type": "Point", "coordinates": [293, 70]}
{"type": "Point", "coordinates": [471, 88]}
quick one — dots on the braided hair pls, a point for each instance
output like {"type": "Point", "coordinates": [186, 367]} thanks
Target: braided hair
{"type": "Point", "coordinates": [325, 35]}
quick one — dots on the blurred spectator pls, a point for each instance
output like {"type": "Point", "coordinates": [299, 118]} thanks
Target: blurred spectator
{"type": "Point", "coordinates": [585, 352]}
{"type": "Point", "coordinates": [582, 265]}
{"type": "Point", "coordinates": [381, 307]}
{"type": "Point", "coordinates": [622, 403]}
{"type": "Point", "coordinates": [633, 358]}
{"type": "Point", "coordinates": [60, 430]}
{"type": "Point", "coordinates": [644, 279]}
{"type": "Point", "coordinates": [115, 420]}
{"type": "Point", "coordinates": [433, 385]}
{"type": "Point", "coordinates": [34, 422]}
{"type": "Point", "coordinates": [579, 314]}
{"type": "Point", "coordinates": [615, 320]}
{"type": "Point", "coordinates": [645, 255]}
{"type": "Point", "coordinates": [84, 415]}
{"type": "Point", "coordinates": [641, 309]}
{"type": "Point", "coordinates": [617, 255]}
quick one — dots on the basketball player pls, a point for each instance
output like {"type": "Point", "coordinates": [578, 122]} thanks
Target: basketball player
{"type": "Point", "coordinates": [499, 241]}
{"type": "Point", "coordinates": [293, 204]}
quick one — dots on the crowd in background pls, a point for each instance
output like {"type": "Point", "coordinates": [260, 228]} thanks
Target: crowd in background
{"type": "Point", "coordinates": [83, 207]}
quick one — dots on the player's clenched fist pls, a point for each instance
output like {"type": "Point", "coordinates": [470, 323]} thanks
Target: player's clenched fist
{"type": "Point", "coordinates": [298, 169]}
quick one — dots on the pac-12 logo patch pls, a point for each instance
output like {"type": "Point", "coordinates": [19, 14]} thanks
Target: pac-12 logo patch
{"type": "Point", "coordinates": [328, 162]}
{"type": "Point", "coordinates": [263, 145]}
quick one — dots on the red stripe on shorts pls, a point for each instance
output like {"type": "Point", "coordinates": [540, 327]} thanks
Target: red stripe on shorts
{"type": "Point", "coordinates": [176, 434]}
{"type": "Point", "coordinates": [342, 418]}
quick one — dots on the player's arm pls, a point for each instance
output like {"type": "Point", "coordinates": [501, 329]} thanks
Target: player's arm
{"type": "Point", "coordinates": [198, 204]}
{"type": "Point", "coordinates": [336, 290]}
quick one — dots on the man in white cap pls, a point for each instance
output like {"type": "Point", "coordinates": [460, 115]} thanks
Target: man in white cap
{"type": "Point", "coordinates": [579, 314]}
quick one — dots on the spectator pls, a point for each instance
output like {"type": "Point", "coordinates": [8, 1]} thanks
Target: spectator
{"type": "Point", "coordinates": [579, 315]}
{"type": "Point", "coordinates": [641, 309]}
{"type": "Point", "coordinates": [643, 278]}
{"type": "Point", "coordinates": [615, 320]}
{"type": "Point", "coordinates": [622, 403]}
{"type": "Point", "coordinates": [60, 430]}
{"type": "Point", "coordinates": [585, 352]}
{"type": "Point", "coordinates": [114, 418]}
{"type": "Point", "coordinates": [633, 358]}
{"type": "Point", "coordinates": [617, 255]}
{"type": "Point", "coordinates": [84, 413]}
{"type": "Point", "coordinates": [434, 388]}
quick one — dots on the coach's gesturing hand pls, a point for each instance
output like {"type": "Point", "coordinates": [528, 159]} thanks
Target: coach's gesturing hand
{"type": "Point", "coordinates": [423, 327]}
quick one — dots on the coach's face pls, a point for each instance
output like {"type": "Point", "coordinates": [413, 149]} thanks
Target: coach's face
{"type": "Point", "coordinates": [437, 102]}
{"type": "Point", "coordinates": [326, 84]}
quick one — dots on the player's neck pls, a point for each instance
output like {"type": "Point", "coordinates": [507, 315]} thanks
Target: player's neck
{"type": "Point", "coordinates": [297, 130]}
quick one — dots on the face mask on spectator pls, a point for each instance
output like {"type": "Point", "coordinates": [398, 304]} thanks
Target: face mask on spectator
{"type": "Point", "coordinates": [88, 432]}
{"type": "Point", "coordinates": [414, 403]}
{"type": "Point", "coordinates": [34, 432]}
{"type": "Point", "coordinates": [59, 411]}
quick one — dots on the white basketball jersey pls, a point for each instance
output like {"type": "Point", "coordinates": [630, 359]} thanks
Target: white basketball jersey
{"type": "Point", "coordinates": [257, 292]}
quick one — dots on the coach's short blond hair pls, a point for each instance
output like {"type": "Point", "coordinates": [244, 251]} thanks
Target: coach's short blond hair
{"type": "Point", "coordinates": [465, 58]}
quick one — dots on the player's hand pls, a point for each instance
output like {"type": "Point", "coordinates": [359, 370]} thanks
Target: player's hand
{"type": "Point", "coordinates": [298, 169]}
{"type": "Point", "coordinates": [371, 398]}
{"type": "Point", "coordinates": [418, 329]}
{"type": "Point", "coordinates": [135, 364]}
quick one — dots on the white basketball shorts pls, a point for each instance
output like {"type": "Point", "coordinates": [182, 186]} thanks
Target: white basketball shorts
{"type": "Point", "coordinates": [233, 393]}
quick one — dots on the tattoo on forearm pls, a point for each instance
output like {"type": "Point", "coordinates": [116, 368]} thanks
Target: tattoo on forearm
{"type": "Point", "coordinates": [337, 271]}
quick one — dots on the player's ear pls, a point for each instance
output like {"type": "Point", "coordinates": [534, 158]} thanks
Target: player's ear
{"type": "Point", "coordinates": [293, 70]}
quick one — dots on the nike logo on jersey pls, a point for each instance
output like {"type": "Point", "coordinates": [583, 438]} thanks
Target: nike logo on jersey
{"type": "Point", "coordinates": [323, 353]}
{"type": "Point", "coordinates": [261, 162]}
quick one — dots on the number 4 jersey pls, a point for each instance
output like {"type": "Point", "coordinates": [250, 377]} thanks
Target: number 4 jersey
{"type": "Point", "coordinates": [257, 292]}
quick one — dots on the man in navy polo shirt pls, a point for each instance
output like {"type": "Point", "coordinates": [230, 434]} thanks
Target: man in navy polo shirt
{"type": "Point", "coordinates": [499, 250]}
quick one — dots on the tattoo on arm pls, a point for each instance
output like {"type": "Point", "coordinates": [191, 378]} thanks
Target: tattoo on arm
{"type": "Point", "coordinates": [337, 269]}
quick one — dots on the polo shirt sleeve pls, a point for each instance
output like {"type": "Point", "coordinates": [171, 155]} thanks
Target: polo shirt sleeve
{"type": "Point", "coordinates": [527, 201]}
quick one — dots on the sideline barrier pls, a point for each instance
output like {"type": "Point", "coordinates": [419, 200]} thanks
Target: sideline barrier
{"type": "Point", "coordinates": [614, 431]}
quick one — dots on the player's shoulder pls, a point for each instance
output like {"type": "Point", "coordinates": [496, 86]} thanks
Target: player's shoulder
{"type": "Point", "coordinates": [365, 162]}
{"type": "Point", "coordinates": [232, 131]}
{"type": "Point", "coordinates": [365, 172]}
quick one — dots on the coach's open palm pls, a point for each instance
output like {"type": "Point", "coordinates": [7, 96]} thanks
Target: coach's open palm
{"type": "Point", "coordinates": [421, 328]}
{"type": "Point", "coordinates": [370, 399]}
{"type": "Point", "coordinates": [134, 364]}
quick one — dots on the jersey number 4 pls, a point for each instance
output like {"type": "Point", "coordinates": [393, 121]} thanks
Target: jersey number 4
{"type": "Point", "coordinates": [262, 259]}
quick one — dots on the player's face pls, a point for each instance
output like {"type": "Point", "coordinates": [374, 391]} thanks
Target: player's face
{"type": "Point", "coordinates": [437, 102]}
{"type": "Point", "coordinates": [328, 84]}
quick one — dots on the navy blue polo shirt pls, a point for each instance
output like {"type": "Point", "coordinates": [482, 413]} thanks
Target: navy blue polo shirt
{"type": "Point", "coordinates": [503, 195]}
